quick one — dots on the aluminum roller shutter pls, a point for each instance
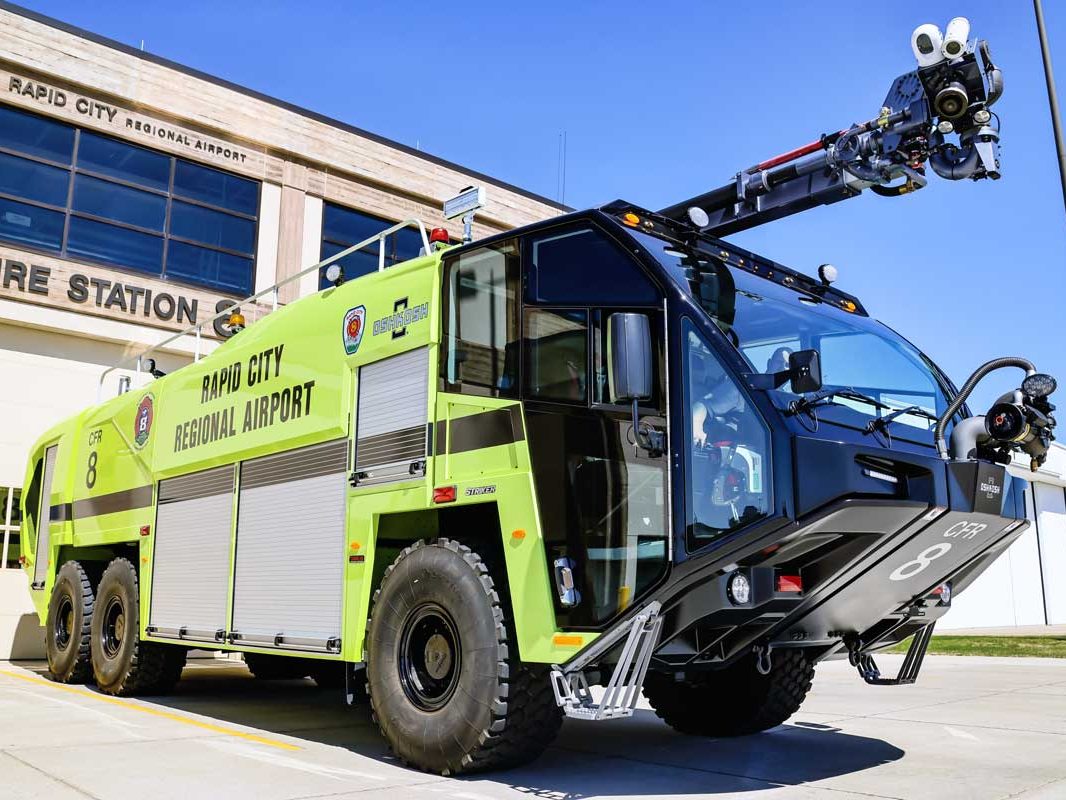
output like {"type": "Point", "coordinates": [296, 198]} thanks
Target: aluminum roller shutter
{"type": "Point", "coordinates": [289, 574]}
{"type": "Point", "coordinates": [391, 418]}
{"type": "Point", "coordinates": [191, 558]}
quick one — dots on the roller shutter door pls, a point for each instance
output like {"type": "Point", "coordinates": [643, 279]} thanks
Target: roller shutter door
{"type": "Point", "coordinates": [191, 558]}
{"type": "Point", "coordinates": [391, 418]}
{"type": "Point", "coordinates": [289, 573]}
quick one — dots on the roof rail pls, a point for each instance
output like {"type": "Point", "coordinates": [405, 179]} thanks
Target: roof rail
{"type": "Point", "coordinates": [135, 363]}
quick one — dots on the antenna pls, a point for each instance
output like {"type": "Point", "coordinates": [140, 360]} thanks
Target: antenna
{"type": "Point", "coordinates": [560, 171]}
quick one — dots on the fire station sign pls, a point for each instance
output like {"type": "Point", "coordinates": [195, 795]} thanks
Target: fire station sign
{"type": "Point", "coordinates": [90, 290]}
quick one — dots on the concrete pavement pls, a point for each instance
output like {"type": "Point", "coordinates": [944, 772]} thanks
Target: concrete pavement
{"type": "Point", "coordinates": [972, 728]}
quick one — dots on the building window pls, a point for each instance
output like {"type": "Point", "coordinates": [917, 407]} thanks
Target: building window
{"type": "Point", "coordinates": [342, 227]}
{"type": "Point", "coordinates": [76, 193]}
{"type": "Point", "coordinates": [10, 518]}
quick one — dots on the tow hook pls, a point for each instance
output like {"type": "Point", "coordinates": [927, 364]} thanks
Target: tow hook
{"type": "Point", "coordinates": [763, 661]}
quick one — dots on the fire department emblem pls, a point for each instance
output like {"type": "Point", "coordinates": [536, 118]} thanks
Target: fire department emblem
{"type": "Point", "coordinates": [142, 422]}
{"type": "Point", "coordinates": [354, 322]}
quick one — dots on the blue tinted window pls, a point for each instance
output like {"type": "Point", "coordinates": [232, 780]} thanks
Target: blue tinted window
{"type": "Point", "coordinates": [361, 262]}
{"type": "Point", "coordinates": [212, 227]}
{"type": "Point", "coordinates": [200, 265]}
{"type": "Point", "coordinates": [36, 136]}
{"type": "Point", "coordinates": [120, 203]}
{"type": "Point", "coordinates": [215, 188]}
{"type": "Point", "coordinates": [343, 227]}
{"type": "Point", "coordinates": [123, 161]}
{"type": "Point", "coordinates": [31, 225]}
{"type": "Point", "coordinates": [33, 180]}
{"type": "Point", "coordinates": [583, 266]}
{"type": "Point", "coordinates": [113, 245]}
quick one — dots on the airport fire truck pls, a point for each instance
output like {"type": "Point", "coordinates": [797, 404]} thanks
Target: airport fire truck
{"type": "Point", "coordinates": [535, 475]}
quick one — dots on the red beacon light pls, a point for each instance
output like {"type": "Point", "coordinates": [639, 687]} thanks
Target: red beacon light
{"type": "Point", "coordinates": [439, 235]}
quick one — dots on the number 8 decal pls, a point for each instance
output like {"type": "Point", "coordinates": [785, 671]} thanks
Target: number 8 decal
{"type": "Point", "coordinates": [923, 560]}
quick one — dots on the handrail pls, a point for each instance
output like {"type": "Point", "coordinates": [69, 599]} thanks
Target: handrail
{"type": "Point", "coordinates": [136, 362]}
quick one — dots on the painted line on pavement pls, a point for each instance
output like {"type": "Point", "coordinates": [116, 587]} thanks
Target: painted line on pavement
{"type": "Point", "coordinates": [155, 712]}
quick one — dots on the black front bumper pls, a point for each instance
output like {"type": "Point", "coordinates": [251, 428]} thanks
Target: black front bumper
{"type": "Point", "coordinates": [869, 562]}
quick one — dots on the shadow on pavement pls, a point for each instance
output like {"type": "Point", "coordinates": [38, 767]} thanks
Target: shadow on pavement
{"type": "Point", "coordinates": [641, 755]}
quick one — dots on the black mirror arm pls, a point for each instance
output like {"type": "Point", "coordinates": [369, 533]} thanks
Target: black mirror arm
{"type": "Point", "coordinates": [645, 437]}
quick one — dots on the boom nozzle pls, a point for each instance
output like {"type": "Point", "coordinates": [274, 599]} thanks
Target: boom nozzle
{"type": "Point", "coordinates": [937, 114]}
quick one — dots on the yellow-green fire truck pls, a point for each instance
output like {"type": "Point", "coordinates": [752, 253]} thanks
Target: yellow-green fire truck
{"type": "Point", "coordinates": [605, 449]}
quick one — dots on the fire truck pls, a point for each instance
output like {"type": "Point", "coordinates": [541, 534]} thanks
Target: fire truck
{"type": "Point", "coordinates": [536, 475]}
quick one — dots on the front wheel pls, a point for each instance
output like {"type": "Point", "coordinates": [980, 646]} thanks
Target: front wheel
{"type": "Point", "coordinates": [122, 663]}
{"type": "Point", "coordinates": [445, 683]}
{"type": "Point", "coordinates": [735, 701]}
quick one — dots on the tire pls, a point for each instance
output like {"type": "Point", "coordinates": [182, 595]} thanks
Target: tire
{"type": "Point", "coordinates": [122, 664]}
{"type": "Point", "coordinates": [68, 625]}
{"type": "Point", "coordinates": [277, 668]}
{"type": "Point", "coordinates": [736, 701]}
{"type": "Point", "coordinates": [445, 683]}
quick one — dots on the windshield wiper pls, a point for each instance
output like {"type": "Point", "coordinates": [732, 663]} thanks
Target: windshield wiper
{"type": "Point", "coordinates": [881, 423]}
{"type": "Point", "coordinates": [825, 397]}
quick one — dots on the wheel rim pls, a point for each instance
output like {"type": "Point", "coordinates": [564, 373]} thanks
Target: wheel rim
{"type": "Point", "coordinates": [113, 630]}
{"type": "Point", "coordinates": [64, 622]}
{"type": "Point", "coordinates": [430, 657]}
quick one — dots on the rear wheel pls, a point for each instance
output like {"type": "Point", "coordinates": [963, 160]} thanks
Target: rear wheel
{"type": "Point", "coordinates": [122, 663]}
{"type": "Point", "coordinates": [445, 683]}
{"type": "Point", "coordinates": [734, 701]}
{"type": "Point", "coordinates": [67, 628]}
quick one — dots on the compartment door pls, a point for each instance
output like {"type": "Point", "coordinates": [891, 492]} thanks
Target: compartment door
{"type": "Point", "coordinates": [42, 552]}
{"type": "Point", "coordinates": [391, 418]}
{"type": "Point", "coordinates": [191, 557]}
{"type": "Point", "coordinates": [289, 574]}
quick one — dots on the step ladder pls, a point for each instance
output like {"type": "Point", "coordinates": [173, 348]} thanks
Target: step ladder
{"type": "Point", "coordinates": [571, 686]}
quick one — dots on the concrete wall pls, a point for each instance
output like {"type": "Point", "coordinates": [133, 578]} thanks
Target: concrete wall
{"type": "Point", "coordinates": [21, 636]}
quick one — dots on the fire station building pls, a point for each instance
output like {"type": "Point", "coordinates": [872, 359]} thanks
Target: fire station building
{"type": "Point", "coordinates": [137, 194]}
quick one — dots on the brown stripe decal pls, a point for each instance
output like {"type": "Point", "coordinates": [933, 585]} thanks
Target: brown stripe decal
{"type": "Point", "coordinates": [128, 499]}
{"type": "Point", "coordinates": [488, 429]}
{"type": "Point", "coordinates": [60, 513]}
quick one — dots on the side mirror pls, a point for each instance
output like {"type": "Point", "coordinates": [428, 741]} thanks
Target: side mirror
{"type": "Point", "coordinates": [804, 374]}
{"type": "Point", "coordinates": [629, 354]}
{"type": "Point", "coordinates": [805, 371]}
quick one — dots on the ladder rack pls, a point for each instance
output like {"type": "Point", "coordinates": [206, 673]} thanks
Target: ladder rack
{"type": "Point", "coordinates": [136, 363]}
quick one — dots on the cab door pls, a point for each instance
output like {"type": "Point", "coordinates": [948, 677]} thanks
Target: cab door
{"type": "Point", "coordinates": [603, 500]}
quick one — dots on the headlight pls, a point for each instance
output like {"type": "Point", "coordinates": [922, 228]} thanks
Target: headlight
{"type": "Point", "coordinates": [739, 589]}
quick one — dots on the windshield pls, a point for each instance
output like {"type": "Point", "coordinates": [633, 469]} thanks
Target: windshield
{"type": "Point", "coordinates": [770, 321]}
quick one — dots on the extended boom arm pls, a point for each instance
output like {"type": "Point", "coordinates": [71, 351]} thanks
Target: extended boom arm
{"type": "Point", "coordinates": [945, 97]}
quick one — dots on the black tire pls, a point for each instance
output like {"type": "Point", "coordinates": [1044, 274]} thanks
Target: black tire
{"type": "Point", "coordinates": [67, 627]}
{"type": "Point", "coordinates": [123, 664]}
{"type": "Point", "coordinates": [445, 683]}
{"type": "Point", "coordinates": [266, 667]}
{"type": "Point", "coordinates": [735, 701]}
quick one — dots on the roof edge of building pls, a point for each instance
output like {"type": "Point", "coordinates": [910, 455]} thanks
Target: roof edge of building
{"type": "Point", "coordinates": [236, 87]}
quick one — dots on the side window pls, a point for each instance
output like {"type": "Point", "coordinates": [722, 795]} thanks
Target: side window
{"type": "Point", "coordinates": [583, 266]}
{"type": "Point", "coordinates": [727, 454]}
{"type": "Point", "coordinates": [557, 355]}
{"type": "Point", "coordinates": [481, 339]}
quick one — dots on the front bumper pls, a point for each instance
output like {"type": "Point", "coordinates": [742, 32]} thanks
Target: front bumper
{"type": "Point", "coordinates": [869, 565]}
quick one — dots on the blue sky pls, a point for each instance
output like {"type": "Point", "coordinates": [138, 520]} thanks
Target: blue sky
{"type": "Point", "coordinates": [661, 101]}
